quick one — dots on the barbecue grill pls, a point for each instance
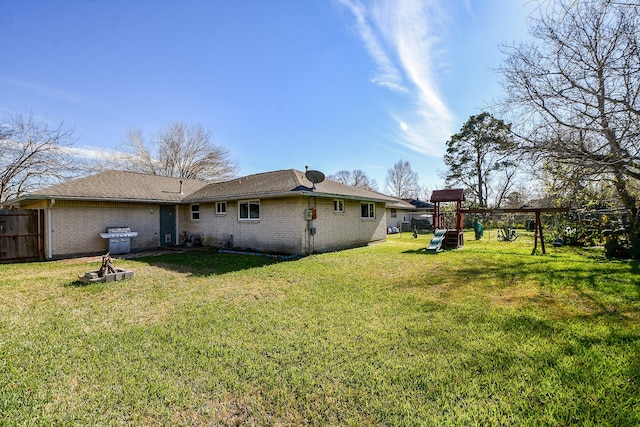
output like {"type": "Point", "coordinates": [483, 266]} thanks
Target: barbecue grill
{"type": "Point", "coordinates": [119, 239]}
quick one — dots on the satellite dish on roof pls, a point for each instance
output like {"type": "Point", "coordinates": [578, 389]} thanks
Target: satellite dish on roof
{"type": "Point", "coordinates": [314, 176]}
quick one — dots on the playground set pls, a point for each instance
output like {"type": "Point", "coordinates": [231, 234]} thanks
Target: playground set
{"type": "Point", "coordinates": [451, 236]}
{"type": "Point", "coordinates": [447, 236]}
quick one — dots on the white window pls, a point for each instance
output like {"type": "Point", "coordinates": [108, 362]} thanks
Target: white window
{"type": "Point", "coordinates": [338, 205]}
{"type": "Point", "coordinates": [249, 209]}
{"type": "Point", "coordinates": [368, 210]}
{"type": "Point", "coordinates": [195, 212]}
{"type": "Point", "coordinates": [221, 208]}
{"type": "Point", "coordinates": [394, 213]}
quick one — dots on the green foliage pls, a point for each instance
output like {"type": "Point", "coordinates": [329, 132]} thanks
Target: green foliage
{"type": "Point", "coordinates": [476, 153]}
{"type": "Point", "coordinates": [575, 232]}
{"type": "Point", "coordinates": [620, 241]}
{"type": "Point", "coordinates": [623, 242]}
{"type": "Point", "coordinates": [382, 335]}
{"type": "Point", "coordinates": [578, 186]}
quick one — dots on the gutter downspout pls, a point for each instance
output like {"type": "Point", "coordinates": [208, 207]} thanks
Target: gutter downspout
{"type": "Point", "coordinates": [176, 207]}
{"type": "Point", "coordinates": [49, 235]}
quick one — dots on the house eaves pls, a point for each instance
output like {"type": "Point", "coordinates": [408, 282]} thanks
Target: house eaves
{"type": "Point", "coordinates": [346, 197]}
{"type": "Point", "coordinates": [400, 204]}
{"type": "Point", "coordinates": [191, 200]}
{"type": "Point", "coordinates": [278, 184]}
{"type": "Point", "coordinates": [117, 186]}
{"type": "Point", "coordinates": [35, 197]}
{"type": "Point", "coordinates": [127, 187]}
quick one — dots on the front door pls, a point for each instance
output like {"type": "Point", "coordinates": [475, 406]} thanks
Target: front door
{"type": "Point", "coordinates": [167, 225]}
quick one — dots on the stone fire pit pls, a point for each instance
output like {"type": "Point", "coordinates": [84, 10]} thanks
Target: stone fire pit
{"type": "Point", "coordinates": [107, 272]}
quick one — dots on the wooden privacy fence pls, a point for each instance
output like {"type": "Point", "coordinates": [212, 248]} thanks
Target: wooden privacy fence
{"type": "Point", "coordinates": [21, 234]}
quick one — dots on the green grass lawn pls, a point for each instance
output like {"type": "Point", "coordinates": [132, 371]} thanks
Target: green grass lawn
{"type": "Point", "coordinates": [382, 335]}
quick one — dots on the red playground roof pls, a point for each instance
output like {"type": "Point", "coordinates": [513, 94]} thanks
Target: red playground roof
{"type": "Point", "coordinates": [452, 195]}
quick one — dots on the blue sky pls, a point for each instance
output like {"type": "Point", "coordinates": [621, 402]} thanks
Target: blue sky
{"type": "Point", "coordinates": [332, 84]}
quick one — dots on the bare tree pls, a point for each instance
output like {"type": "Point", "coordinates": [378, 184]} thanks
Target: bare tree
{"type": "Point", "coordinates": [355, 178]}
{"type": "Point", "coordinates": [138, 156]}
{"type": "Point", "coordinates": [402, 181]}
{"type": "Point", "coordinates": [343, 177]}
{"type": "Point", "coordinates": [578, 90]}
{"type": "Point", "coordinates": [179, 150]}
{"type": "Point", "coordinates": [572, 3]}
{"type": "Point", "coordinates": [32, 155]}
{"type": "Point", "coordinates": [425, 192]}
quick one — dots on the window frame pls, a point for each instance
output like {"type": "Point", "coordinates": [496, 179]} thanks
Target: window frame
{"type": "Point", "coordinates": [195, 213]}
{"type": "Point", "coordinates": [340, 206]}
{"type": "Point", "coordinates": [371, 210]}
{"type": "Point", "coordinates": [249, 203]}
{"type": "Point", "coordinates": [220, 205]}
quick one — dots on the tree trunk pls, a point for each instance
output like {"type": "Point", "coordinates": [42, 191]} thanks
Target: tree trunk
{"type": "Point", "coordinates": [615, 152]}
{"type": "Point", "coordinates": [627, 199]}
{"type": "Point", "coordinates": [481, 194]}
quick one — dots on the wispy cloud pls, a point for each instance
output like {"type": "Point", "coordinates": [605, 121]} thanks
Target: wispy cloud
{"type": "Point", "coordinates": [51, 92]}
{"type": "Point", "coordinates": [89, 153]}
{"type": "Point", "coordinates": [401, 37]}
{"type": "Point", "coordinates": [387, 73]}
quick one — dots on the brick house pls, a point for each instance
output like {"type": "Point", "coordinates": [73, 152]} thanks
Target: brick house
{"type": "Point", "coordinates": [277, 212]}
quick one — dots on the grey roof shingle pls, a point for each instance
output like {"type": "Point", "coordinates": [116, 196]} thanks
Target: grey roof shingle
{"type": "Point", "coordinates": [119, 185]}
{"type": "Point", "coordinates": [280, 183]}
{"type": "Point", "coordinates": [136, 187]}
{"type": "Point", "coordinates": [401, 204]}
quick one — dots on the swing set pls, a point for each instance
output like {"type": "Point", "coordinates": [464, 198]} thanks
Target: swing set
{"type": "Point", "coordinates": [453, 238]}
{"type": "Point", "coordinates": [509, 234]}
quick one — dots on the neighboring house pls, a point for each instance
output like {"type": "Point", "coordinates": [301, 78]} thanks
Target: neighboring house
{"type": "Point", "coordinates": [278, 212]}
{"type": "Point", "coordinates": [405, 214]}
{"type": "Point", "coordinates": [399, 215]}
{"type": "Point", "coordinates": [422, 217]}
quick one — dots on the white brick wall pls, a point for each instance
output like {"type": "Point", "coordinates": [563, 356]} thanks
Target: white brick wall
{"type": "Point", "coordinates": [343, 230]}
{"type": "Point", "coordinates": [76, 226]}
{"type": "Point", "coordinates": [282, 227]}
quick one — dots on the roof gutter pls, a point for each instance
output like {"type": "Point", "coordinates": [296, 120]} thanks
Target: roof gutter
{"type": "Point", "coordinates": [52, 202]}
{"type": "Point", "coordinates": [287, 194]}
{"type": "Point", "coordinates": [19, 201]}
{"type": "Point", "coordinates": [342, 196]}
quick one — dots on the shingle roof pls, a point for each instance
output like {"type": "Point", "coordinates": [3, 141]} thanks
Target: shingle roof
{"type": "Point", "coordinates": [421, 204]}
{"type": "Point", "coordinates": [280, 183]}
{"type": "Point", "coordinates": [400, 204]}
{"type": "Point", "coordinates": [450, 195]}
{"type": "Point", "coordinates": [121, 186]}
{"type": "Point", "coordinates": [129, 186]}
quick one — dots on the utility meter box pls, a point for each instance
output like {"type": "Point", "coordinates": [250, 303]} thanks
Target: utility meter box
{"type": "Point", "coordinates": [310, 214]}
